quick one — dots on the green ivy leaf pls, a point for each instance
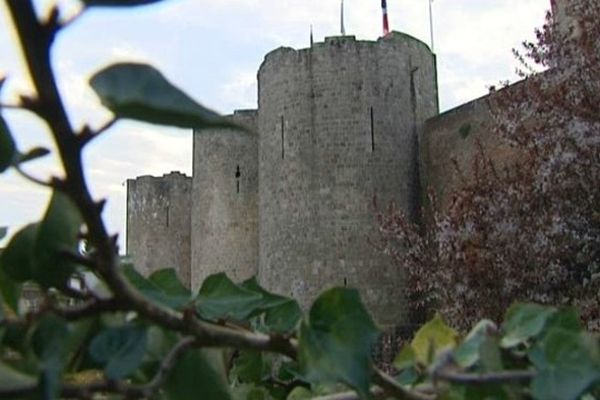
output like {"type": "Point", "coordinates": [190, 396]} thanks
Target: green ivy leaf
{"type": "Point", "coordinates": [118, 3]}
{"type": "Point", "coordinates": [524, 321]}
{"type": "Point", "coordinates": [336, 340]}
{"type": "Point", "coordinates": [283, 318]}
{"type": "Point", "coordinates": [467, 353]}
{"type": "Point", "coordinates": [199, 371]}
{"type": "Point", "coordinates": [282, 314]}
{"type": "Point", "coordinates": [433, 338]}
{"type": "Point", "coordinates": [7, 146]}
{"type": "Point", "coordinates": [220, 298]}
{"type": "Point", "coordinates": [140, 92]}
{"type": "Point", "coordinates": [269, 300]}
{"type": "Point", "coordinates": [10, 291]}
{"type": "Point", "coordinates": [17, 259]}
{"type": "Point", "coordinates": [12, 379]}
{"type": "Point", "coordinates": [50, 341]}
{"type": "Point", "coordinates": [168, 282]}
{"type": "Point", "coordinates": [406, 358]}
{"type": "Point", "coordinates": [568, 365]}
{"type": "Point", "coordinates": [58, 232]}
{"type": "Point", "coordinates": [566, 318]}
{"type": "Point", "coordinates": [251, 366]}
{"type": "Point", "coordinates": [300, 393]}
{"type": "Point", "coordinates": [163, 287]}
{"type": "Point", "coordinates": [120, 350]}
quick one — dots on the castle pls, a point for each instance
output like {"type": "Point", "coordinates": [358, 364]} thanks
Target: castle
{"type": "Point", "coordinates": [337, 125]}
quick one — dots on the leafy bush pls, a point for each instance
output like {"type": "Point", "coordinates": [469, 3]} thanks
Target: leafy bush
{"type": "Point", "coordinates": [531, 231]}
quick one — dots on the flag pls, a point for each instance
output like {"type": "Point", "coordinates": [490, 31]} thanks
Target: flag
{"type": "Point", "coordinates": [386, 24]}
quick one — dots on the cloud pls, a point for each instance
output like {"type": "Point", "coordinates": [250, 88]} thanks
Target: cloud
{"type": "Point", "coordinates": [240, 91]}
{"type": "Point", "coordinates": [213, 50]}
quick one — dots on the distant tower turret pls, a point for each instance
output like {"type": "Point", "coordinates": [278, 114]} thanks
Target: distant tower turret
{"type": "Point", "coordinates": [225, 206]}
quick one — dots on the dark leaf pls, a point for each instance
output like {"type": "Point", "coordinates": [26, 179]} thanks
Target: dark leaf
{"type": "Point", "coordinates": [11, 379]}
{"type": "Point", "coordinates": [17, 259]}
{"type": "Point", "coordinates": [251, 366]}
{"type": "Point", "coordinates": [7, 146]}
{"type": "Point", "coordinates": [168, 282]}
{"type": "Point", "coordinates": [10, 291]}
{"type": "Point", "coordinates": [118, 3]}
{"type": "Point", "coordinates": [220, 298]}
{"type": "Point", "coordinates": [120, 350]}
{"type": "Point", "coordinates": [140, 92]}
{"type": "Point", "coordinates": [568, 363]}
{"type": "Point", "coordinates": [163, 288]}
{"type": "Point", "coordinates": [282, 314]}
{"type": "Point", "coordinates": [198, 372]}
{"type": "Point", "coordinates": [49, 342]}
{"type": "Point", "coordinates": [284, 317]}
{"type": "Point", "coordinates": [3, 232]}
{"type": "Point", "coordinates": [269, 300]}
{"type": "Point", "coordinates": [57, 233]}
{"type": "Point", "coordinates": [336, 340]}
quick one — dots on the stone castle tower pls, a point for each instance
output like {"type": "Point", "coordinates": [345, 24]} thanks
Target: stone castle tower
{"type": "Point", "coordinates": [337, 125]}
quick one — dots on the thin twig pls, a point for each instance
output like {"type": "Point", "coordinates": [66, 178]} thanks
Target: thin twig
{"type": "Point", "coordinates": [68, 21]}
{"type": "Point", "coordinates": [167, 365]}
{"type": "Point", "coordinates": [87, 309]}
{"type": "Point", "coordinates": [32, 178]}
{"type": "Point", "coordinates": [88, 134]}
{"type": "Point", "coordinates": [393, 388]}
{"type": "Point", "coordinates": [116, 387]}
{"type": "Point", "coordinates": [486, 379]}
{"type": "Point", "coordinates": [376, 392]}
{"type": "Point", "coordinates": [13, 106]}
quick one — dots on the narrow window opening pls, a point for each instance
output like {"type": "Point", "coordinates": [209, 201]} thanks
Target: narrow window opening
{"type": "Point", "coordinates": [237, 178]}
{"type": "Point", "coordinates": [167, 219]}
{"type": "Point", "coordinates": [345, 282]}
{"type": "Point", "coordinates": [282, 138]}
{"type": "Point", "coordinates": [372, 131]}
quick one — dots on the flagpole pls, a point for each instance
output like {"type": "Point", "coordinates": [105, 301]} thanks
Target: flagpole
{"type": "Point", "coordinates": [343, 28]}
{"type": "Point", "coordinates": [431, 25]}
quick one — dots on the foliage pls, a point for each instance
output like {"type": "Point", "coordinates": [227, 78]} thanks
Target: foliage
{"type": "Point", "coordinates": [530, 231]}
{"type": "Point", "coordinates": [131, 336]}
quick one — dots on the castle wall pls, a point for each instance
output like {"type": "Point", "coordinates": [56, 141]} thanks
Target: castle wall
{"type": "Point", "coordinates": [450, 144]}
{"type": "Point", "coordinates": [338, 126]}
{"type": "Point", "coordinates": [158, 223]}
{"type": "Point", "coordinates": [225, 201]}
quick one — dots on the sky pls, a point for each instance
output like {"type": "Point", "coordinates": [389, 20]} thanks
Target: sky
{"type": "Point", "coordinates": [212, 50]}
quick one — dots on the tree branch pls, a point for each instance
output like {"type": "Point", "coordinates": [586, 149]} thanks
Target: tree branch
{"type": "Point", "coordinates": [393, 388]}
{"type": "Point", "coordinates": [486, 379]}
{"type": "Point", "coordinates": [130, 391]}
{"type": "Point", "coordinates": [376, 392]}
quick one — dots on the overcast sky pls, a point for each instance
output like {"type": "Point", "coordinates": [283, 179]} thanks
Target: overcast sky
{"type": "Point", "coordinates": [213, 49]}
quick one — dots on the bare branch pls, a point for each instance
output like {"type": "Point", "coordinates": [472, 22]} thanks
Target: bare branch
{"type": "Point", "coordinates": [393, 388]}
{"type": "Point", "coordinates": [88, 134]}
{"type": "Point", "coordinates": [376, 392]}
{"type": "Point", "coordinates": [486, 379]}
{"type": "Point", "coordinates": [30, 178]}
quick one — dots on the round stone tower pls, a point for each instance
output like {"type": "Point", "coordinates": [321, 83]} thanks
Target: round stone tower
{"type": "Point", "coordinates": [338, 127]}
{"type": "Point", "coordinates": [225, 201]}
